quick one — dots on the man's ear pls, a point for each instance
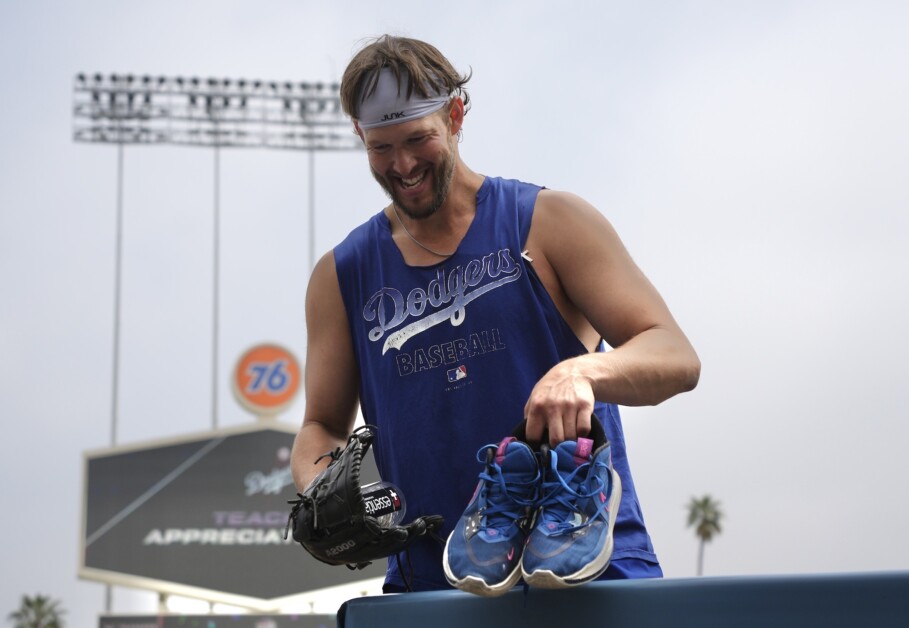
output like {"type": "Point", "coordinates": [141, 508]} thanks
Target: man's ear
{"type": "Point", "coordinates": [456, 115]}
{"type": "Point", "coordinates": [359, 131]}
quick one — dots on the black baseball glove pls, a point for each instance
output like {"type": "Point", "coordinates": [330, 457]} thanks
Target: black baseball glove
{"type": "Point", "coordinates": [329, 518]}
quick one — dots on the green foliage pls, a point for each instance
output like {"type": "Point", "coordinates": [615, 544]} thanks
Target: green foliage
{"type": "Point", "coordinates": [705, 515]}
{"type": "Point", "coordinates": [39, 611]}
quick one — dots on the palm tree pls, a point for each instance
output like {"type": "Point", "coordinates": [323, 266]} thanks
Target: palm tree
{"type": "Point", "coordinates": [704, 514]}
{"type": "Point", "coordinates": [38, 612]}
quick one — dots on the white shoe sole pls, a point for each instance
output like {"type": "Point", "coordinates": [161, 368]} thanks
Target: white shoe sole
{"type": "Point", "coordinates": [475, 585]}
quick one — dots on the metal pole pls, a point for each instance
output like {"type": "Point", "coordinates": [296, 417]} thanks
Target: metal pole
{"type": "Point", "coordinates": [216, 296]}
{"type": "Point", "coordinates": [115, 379]}
{"type": "Point", "coordinates": [312, 208]}
{"type": "Point", "coordinates": [118, 266]}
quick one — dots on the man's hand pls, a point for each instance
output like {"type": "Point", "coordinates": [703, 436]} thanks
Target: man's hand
{"type": "Point", "coordinates": [561, 403]}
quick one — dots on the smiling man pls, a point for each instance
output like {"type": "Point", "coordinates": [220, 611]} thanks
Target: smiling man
{"type": "Point", "coordinates": [467, 305]}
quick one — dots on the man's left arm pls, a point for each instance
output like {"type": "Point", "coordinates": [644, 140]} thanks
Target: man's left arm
{"type": "Point", "coordinates": [591, 271]}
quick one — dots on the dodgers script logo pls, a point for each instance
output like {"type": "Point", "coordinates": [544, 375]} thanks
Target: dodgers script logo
{"type": "Point", "coordinates": [454, 290]}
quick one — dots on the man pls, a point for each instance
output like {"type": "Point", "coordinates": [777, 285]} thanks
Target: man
{"type": "Point", "coordinates": [468, 304]}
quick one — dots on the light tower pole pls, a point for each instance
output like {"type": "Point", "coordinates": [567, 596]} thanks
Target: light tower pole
{"type": "Point", "coordinates": [126, 109]}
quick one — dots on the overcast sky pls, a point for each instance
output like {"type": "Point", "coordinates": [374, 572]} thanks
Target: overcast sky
{"type": "Point", "coordinates": [753, 156]}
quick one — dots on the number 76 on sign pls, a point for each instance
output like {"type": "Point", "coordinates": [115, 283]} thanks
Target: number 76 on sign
{"type": "Point", "coordinates": [266, 379]}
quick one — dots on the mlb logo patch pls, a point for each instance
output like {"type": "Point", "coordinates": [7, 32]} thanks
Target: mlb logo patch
{"type": "Point", "coordinates": [458, 373]}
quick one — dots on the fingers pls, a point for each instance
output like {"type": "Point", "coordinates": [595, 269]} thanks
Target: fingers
{"type": "Point", "coordinates": [560, 404]}
{"type": "Point", "coordinates": [582, 424]}
{"type": "Point", "coordinates": [564, 418]}
{"type": "Point", "coordinates": [533, 429]}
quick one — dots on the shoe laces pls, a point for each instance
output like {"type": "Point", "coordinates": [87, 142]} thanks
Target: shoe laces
{"type": "Point", "coordinates": [558, 503]}
{"type": "Point", "coordinates": [507, 501]}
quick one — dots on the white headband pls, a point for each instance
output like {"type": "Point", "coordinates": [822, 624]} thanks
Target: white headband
{"type": "Point", "coordinates": [389, 104]}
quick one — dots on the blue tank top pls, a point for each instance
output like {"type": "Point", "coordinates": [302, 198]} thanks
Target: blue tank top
{"type": "Point", "coordinates": [448, 355]}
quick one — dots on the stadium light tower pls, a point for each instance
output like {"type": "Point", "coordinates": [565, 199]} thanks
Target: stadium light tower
{"type": "Point", "coordinates": [123, 109]}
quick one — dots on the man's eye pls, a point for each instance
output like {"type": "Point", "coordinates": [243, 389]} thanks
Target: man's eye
{"type": "Point", "coordinates": [381, 148]}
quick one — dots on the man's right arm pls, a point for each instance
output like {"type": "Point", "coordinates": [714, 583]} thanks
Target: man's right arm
{"type": "Point", "coordinates": [331, 375]}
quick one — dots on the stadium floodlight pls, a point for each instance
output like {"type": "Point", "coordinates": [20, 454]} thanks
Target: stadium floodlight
{"type": "Point", "coordinates": [124, 109]}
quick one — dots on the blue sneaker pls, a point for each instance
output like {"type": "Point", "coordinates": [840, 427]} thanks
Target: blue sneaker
{"type": "Point", "coordinates": [571, 542]}
{"type": "Point", "coordinates": [483, 553]}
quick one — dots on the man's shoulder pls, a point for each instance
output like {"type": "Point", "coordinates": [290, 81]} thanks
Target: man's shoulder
{"type": "Point", "coordinates": [561, 216]}
{"type": "Point", "coordinates": [510, 192]}
{"type": "Point", "coordinates": [376, 221]}
{"type": "Point", "coordinates": [364, 232]}
{"type": "Point", "coordinates": [560, 203]}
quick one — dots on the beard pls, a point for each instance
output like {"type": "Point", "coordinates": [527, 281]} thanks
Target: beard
{"type": "Point", "coordinates": [442, 176]}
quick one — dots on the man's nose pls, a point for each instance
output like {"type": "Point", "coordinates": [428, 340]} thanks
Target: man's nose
{"type": "Point", "coordinates": [404, 161]}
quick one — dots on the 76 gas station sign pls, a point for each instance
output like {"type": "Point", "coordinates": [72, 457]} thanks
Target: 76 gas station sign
{"type": "Point", "coordinates": [266, 379]}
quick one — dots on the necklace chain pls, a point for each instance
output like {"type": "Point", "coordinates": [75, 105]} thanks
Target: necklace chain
{"type": "Point", "coordinates": [415, 241]}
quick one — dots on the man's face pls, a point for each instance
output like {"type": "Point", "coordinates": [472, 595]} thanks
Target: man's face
{"type": "Point", "coordinates": [414, 162]}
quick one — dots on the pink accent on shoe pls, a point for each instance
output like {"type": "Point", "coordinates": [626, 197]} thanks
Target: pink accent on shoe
{"type": "Point", "coordinates": [500, 453]}
{"type": "Point", "coordinates": [583, 450]}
